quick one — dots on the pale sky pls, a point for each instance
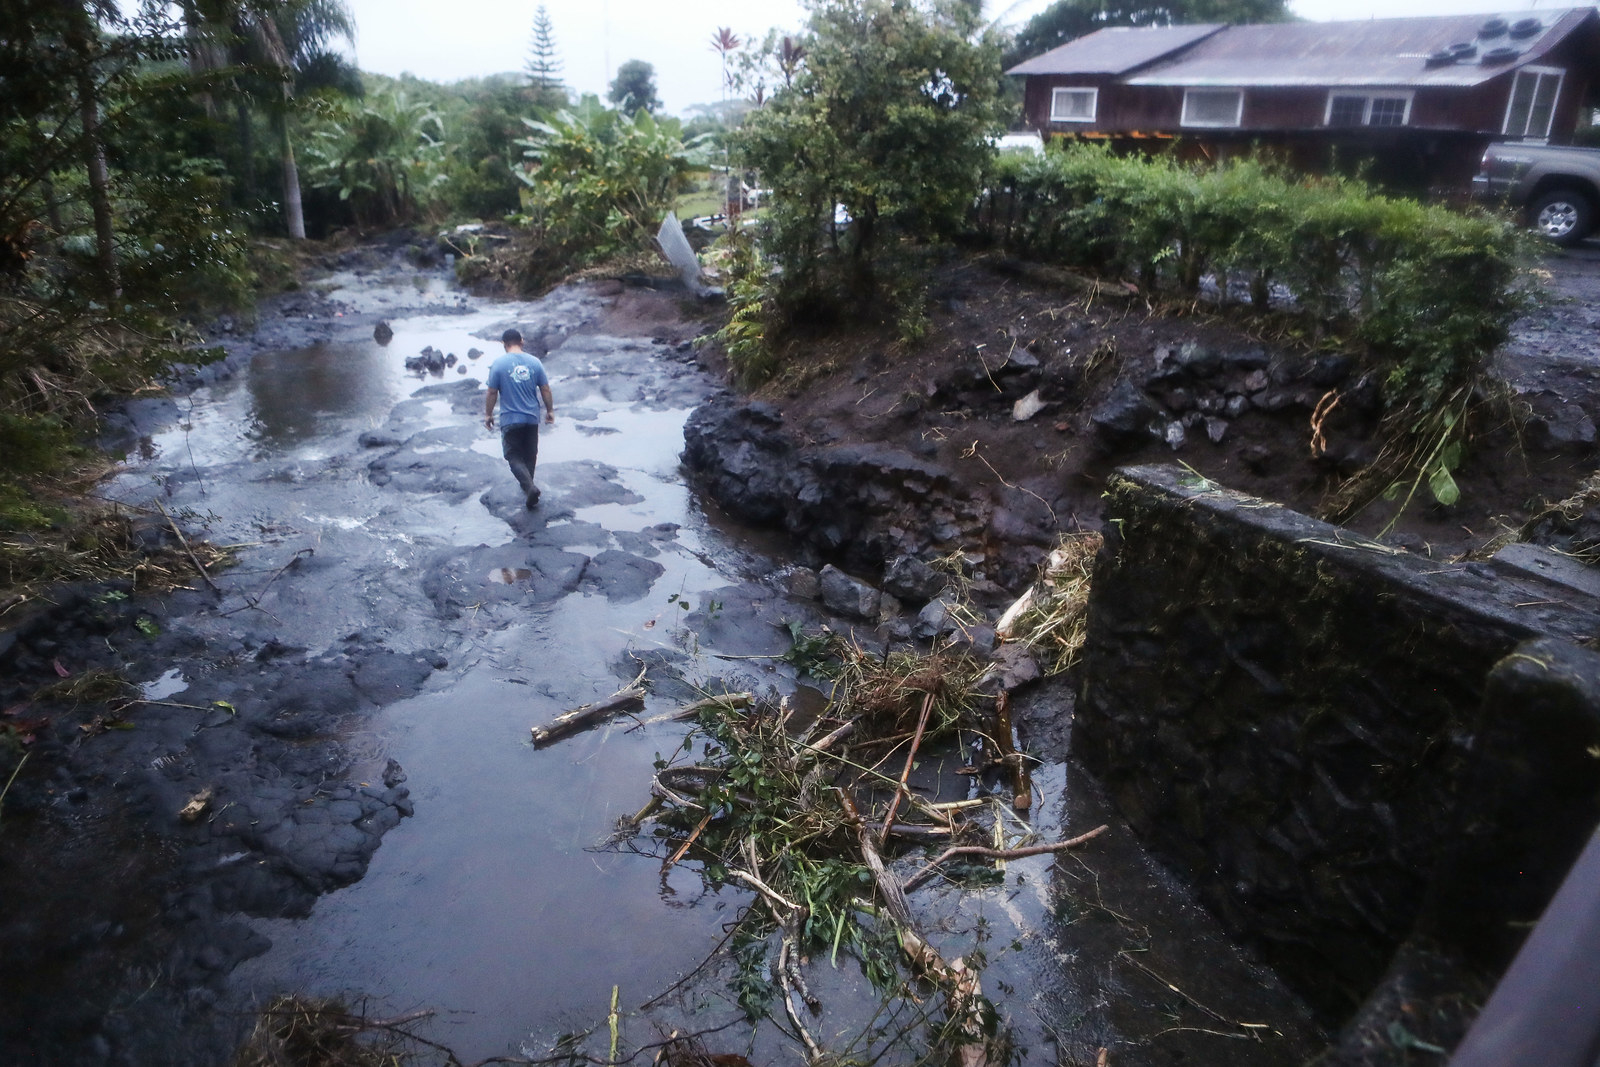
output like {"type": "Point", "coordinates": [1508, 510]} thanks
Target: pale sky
{"type": "Point", "coordinates": [444, 40]}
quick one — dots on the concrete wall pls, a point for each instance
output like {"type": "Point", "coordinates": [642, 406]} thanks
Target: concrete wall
{"type": "Point", "coordinates": [1299, 720]}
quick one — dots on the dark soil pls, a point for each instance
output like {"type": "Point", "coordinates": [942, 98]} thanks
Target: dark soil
{"type": "Point", "coordinates": [999, 330]}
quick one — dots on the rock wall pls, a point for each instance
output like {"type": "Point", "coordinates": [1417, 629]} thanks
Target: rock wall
{"type": "Point", "coordinates": [857, 505]}
{"type": "Point", "coordinates": [1298, 719]}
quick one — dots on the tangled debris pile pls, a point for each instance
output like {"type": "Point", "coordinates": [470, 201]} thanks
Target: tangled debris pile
{"type": "Point", "coordinates": [823, 814]}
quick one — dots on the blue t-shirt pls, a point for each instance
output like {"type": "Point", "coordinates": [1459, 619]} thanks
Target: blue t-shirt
{"type": "Point", "coordinates": [517, 376]}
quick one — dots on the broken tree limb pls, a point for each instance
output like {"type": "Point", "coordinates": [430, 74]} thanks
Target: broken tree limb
{"type": "Point", "coordinates": [184, 541]}
{"type": "Point", "coordinates": [894, 898]}
{"type": "Point", "coordinates": [731, 701]}
{"type": "Point", "coordinates": [582, 718]}
{"type": "Point", "coordinates": [911, 758]}
{"type": "Point", "coordinates": [782, 968]}
{"type": "Point", "coordinates": [1021, 781]}
{"type": "Point", "coordinates": [698, 830]}
{"type": "Point", "coordinates": [837, 735]}
{"type": "Point", "coordinates": [1001, 853]}
{"type": "Point", "coordinates": [963, 996]}
{"type": "Point", "coordinates": [772, 895]}
{"type": "Point", "coordinates": [914, 830]}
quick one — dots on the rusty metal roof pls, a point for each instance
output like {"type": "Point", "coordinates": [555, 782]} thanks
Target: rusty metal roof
{"type": "Point", "coordinates": [1115, 50]}
{"type": "Point", "coordinates": [1387, 53]}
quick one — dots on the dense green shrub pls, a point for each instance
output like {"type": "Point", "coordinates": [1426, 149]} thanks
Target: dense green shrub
{"type": "Point", "coordinates": [599, 181]}
{"type": "Point", "coordinates": [1428, 291]}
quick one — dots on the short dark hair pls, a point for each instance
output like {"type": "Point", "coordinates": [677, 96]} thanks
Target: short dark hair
{"type": "Point", "coordinates": [511, 337]}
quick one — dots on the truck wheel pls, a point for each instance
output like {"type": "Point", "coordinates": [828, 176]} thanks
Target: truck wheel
{"type": "Point", "coordinates": [1562, 217]}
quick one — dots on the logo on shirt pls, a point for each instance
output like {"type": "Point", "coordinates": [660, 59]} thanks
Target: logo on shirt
{"type": "Point", "coordinates": [520, 373]}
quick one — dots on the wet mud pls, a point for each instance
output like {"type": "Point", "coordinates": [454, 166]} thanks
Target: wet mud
{"type": "Point", "coordinates": [353, 698]}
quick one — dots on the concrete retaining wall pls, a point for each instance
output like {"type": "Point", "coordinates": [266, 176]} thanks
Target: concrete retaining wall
{"type": "Point", "coordinates": [1300, 720]}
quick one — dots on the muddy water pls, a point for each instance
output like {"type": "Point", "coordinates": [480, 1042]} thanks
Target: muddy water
{"type": "Point", "coordinates": [372, 506]}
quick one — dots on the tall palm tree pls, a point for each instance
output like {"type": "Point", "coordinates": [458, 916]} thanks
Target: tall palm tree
{"type": "Point", "coordinates": [280, 38]}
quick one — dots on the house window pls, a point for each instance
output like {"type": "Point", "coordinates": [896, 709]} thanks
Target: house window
{"type": "Point", "coordinates": [1533, 103]}
{"type": "Point", "coordinates": [1212, 107]}
{"type": "Point", "coordinates": [1073, 105]}
{"type": "Point", "coordinates": [1368, 109]}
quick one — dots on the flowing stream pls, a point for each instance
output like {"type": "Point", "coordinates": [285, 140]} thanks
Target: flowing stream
{"type": "Point", "coordinates": [374, 507]}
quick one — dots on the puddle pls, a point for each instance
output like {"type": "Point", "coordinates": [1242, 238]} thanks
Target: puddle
{"type": "Point", "coordinates": [169, 684]}
{"type": "Point", "coordinates": [507, 576]}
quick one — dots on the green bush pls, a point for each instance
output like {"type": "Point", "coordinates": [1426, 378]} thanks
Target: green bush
{"type": "Point", "coordinates": [1428, 291]}
{"type": "Point", "coordinates": [601, 181]}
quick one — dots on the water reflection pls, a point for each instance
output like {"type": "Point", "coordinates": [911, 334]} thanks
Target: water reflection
{"type": "Point", "coordinates": [298, 395]}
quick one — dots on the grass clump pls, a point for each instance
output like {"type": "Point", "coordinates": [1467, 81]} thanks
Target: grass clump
{"type": "Point", "coordinates": [296, 1031]}
{"type": "Point", "coordinates": [1051, 619]}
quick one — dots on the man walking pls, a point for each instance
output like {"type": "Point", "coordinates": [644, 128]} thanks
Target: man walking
{"type": "Point", "coordinates": [521, 380]}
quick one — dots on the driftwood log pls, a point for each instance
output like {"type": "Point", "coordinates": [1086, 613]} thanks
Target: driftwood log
{"type": "Point", "coordinates": [582, 718]}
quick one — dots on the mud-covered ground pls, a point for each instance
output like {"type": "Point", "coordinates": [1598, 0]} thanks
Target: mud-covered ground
{"type": "Point", "coordinates": [122, 923]}
{"type": "Point", "coordinates": [1120, 384]}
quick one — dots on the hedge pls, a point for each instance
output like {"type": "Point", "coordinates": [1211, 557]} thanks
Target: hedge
{"type": "Point", "coordinates": [1429, 291]}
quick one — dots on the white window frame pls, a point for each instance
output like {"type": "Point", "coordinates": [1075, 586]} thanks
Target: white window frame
{"type": "Point", "coordinates": [1542, 73]}
{"type": "Point", "coordinates": [1094, 103]}
{"type": "Point", "coordinates": [1367, 99]}
{"type": "Point", "coordinates": [1238, 111]}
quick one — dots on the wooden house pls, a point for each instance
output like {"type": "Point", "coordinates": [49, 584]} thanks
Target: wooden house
{"type": "Point", "coordinates": [1420, 97]}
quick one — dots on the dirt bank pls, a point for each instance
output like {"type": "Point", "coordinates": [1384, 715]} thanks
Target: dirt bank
{"type": "Point", "coordinates": [1105, 381]}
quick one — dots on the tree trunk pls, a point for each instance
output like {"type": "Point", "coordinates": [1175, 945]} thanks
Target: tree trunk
{"type": "Point", "coordinates": [79, 33]}
{"type": "Point", "coordinates": [247, 153]}
{"type": "Point", "coordinates": [293, 212]}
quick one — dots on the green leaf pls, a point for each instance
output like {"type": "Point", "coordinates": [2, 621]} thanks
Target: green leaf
{"type": "Point", "coordinates": [1444, 487]}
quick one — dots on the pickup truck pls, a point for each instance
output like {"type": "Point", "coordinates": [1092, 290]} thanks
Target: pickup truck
{"type": "Point", "coordinates": [1555, 186]}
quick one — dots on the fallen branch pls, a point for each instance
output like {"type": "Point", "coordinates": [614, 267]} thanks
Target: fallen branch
{"type": "Point", "coordinates": [894, 897]}
{"type": "Point", "coordinates": [771, 894]}
{"type": "Point", "coordinates": [582, 718]}
{"type": "Point", "coordinates": [837, 735]}
{"type": "Point", "coordinates": [914, 830]}
{"type": "Point", "coordinates": [678, 855]}
{"type": "Point", "coordinates": [731, 701]}
{"type": "Point", "coordinates": [1021, 781]}
{"type": "Point", "coordinates": [184, 541]}
{"type": "Point", "coordinates": [782, 968]}
{"type": "Point", "coordinates": [1001, 853]}
{"type": "Point", "coordinates": [911, 758]}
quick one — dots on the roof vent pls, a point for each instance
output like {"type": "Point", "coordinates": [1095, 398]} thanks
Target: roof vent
{"type": "Point", "coordinates": [1525, 28]}
{"type": "Point", "coordinates": [1442, 58]}
{"type": "Point", "coordinates": [1464, 50]}
{"type": "Point", "coordinates": [1499, 55]}
{"type": "Point", "coordinates": [1493, 28]}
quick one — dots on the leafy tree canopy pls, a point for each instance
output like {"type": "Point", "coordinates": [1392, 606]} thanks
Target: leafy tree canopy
{"type": "Point", "coordinates": [888, 116]}
{"type": "Point", "coordinates": [635, 87]}
{"type": "Point", "coordinates": [1067, 20]}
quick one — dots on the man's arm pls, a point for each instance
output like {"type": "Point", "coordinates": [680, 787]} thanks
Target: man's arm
{"type": "Point", "coordinates": [489, 400]}
{"type": "Point", "coordinates": [549, 404]}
